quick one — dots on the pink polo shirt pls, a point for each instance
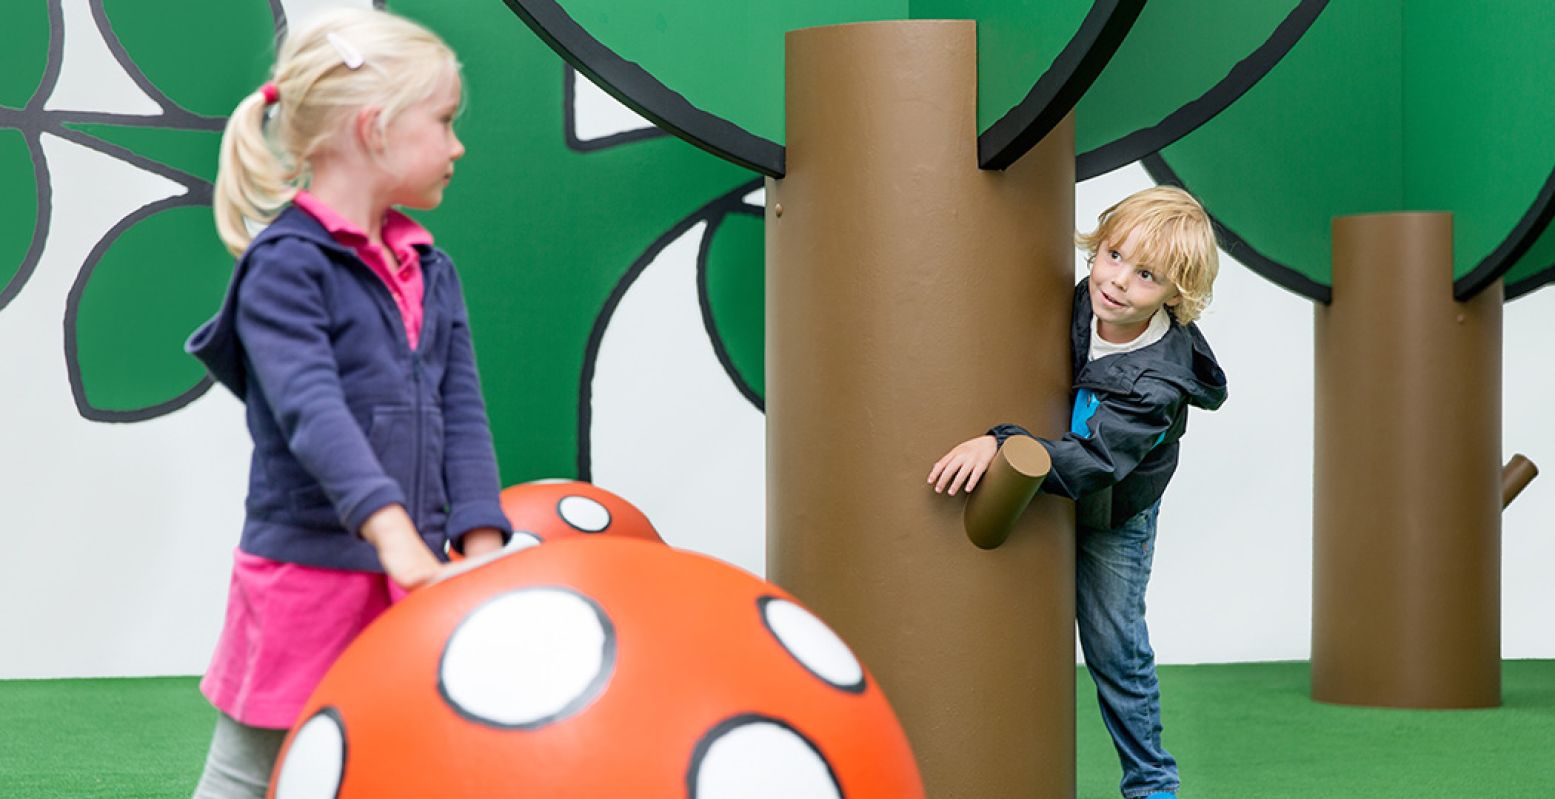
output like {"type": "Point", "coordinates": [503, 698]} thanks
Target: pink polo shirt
{"type": "Point", "coordinates": [401, 234]}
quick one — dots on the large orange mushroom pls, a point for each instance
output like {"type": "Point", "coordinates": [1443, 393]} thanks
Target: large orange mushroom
{"type": "Point", "coordinates": [606, 668]}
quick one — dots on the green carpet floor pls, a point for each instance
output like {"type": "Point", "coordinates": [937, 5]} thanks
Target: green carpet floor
{"type": "Point", "coordinates": [1240, 731]}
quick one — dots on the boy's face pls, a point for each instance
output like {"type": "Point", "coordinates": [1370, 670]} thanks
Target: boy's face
{"type": "Point", "coordinates": [1125, 294]}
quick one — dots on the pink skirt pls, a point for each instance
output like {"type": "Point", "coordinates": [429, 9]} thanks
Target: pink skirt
{"type": "Point", "coordinates": [286, 623]}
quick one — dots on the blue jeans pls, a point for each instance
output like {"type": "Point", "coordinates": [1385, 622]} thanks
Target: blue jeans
{"type": "Point", "coordinates": [1112, 568]}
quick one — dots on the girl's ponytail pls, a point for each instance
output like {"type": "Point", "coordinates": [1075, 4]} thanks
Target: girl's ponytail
{"type": "Point", "coordinates": [345, 60]}
{"type": "Point", "coordinates": [252, 181]}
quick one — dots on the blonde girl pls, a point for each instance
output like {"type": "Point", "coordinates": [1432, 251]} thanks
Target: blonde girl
{"type": "Point", "coordinates": [344, 332]}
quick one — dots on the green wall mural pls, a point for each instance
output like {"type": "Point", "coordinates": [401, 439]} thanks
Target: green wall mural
{"type": "Point", "coordinates": [560, 221]}
{"type": "Point", "coordinates": [1389, 107]}
{"type": "Point", "coordinates": [525, 217]}
{"type": "Point", "coordinates": [543, 223]}
{"type": "Point", "coordinates": [23, 65]}
{"type": "Point", "coordinates": [158, 270]}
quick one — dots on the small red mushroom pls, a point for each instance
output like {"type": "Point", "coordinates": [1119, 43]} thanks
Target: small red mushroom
{"type": "Point", "coordinates": [545, 510]}
{"type": "Point", "coordinates": [550, 509]}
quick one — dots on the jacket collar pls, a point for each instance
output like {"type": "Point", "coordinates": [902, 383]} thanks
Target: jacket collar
{"type": "Point", "coordinates": [1182, 357]}
{"type": "Point", "coordinates": [297, 223]}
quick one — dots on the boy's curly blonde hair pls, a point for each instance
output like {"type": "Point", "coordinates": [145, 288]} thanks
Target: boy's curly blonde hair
{"type": "Point", "coordinates": [1176, 240]}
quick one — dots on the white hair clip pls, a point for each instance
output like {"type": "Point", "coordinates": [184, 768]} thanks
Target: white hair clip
{"type": "Point", "coordinates": [349, 55]}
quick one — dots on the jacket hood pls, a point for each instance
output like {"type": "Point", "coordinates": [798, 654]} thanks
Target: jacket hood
{"type": "Point", "coordinates": [1204, 382]}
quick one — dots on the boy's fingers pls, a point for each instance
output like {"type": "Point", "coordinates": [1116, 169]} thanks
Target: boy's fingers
{"type": "Point", "coordinates": [961, 472]}
{"type": "Point", "coordinates": [947, 477]}
{"type": "Point", "coordinates": [977, 474]}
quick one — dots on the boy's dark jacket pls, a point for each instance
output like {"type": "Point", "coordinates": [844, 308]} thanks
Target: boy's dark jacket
{"type": "Point", "coordinates": [345, 417]}
{"type": "Point", "coordinates": [1126, 456]}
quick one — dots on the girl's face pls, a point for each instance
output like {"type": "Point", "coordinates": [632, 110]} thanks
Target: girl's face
{"type": "Point", "coordinates": [422, 147]}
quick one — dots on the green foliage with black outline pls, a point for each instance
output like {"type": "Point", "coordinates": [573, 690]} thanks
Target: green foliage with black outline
{"type": "Point", "coordinates": [736, 295]}
{"type": "Point", "coordinates": [1388, 107]}
{"type": "Point", "coordinates": [150, 289]}
{"type": "Point", "coordinates": [727, 58]}
{"type": "Point", "coordinates": [1176, 51]}
{"type": "Point", "coordinates": [165, 273]}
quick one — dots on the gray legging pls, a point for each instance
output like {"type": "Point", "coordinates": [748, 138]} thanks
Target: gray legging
{"type": "Point", "coordinates": [240, 760]}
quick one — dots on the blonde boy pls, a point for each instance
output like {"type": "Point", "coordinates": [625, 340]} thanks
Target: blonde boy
{"type": "Point", "coordinates": [1139, 362]}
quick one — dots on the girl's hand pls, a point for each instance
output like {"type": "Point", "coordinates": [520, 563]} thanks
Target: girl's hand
{"type": "Point", "coordinates": [964, 464]}
{"type": "Point", "coordinates": [404, 555]}
{"type": "Point", "coordinates": [481, 541]}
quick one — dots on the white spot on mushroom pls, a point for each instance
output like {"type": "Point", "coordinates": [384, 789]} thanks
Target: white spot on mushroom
{"type": "Point", "coordinates": [528, 657]}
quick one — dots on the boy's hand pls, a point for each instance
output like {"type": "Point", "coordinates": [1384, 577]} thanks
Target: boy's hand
{"type": "Point", "coordinates": [404, 555]}
{"type": "Point", "coordinates": [964, 464]}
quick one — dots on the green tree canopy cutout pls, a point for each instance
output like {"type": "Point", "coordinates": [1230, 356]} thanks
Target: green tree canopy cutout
{"type": "Point", "coordinates": [711, 71]}
{"type": "Point", "coordinates": [1390, 106]}
{"type": "Point", "coordinates": [1183, 62]}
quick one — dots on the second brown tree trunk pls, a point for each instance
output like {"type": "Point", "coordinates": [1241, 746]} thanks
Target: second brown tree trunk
{"type": "Point", "coordinates": [1407, 492]}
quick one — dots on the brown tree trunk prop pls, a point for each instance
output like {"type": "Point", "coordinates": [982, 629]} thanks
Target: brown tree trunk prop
{"type": "Point", "coordinates": [912, 300]}
{"type": "Point", "coordinates": [1407, 489]}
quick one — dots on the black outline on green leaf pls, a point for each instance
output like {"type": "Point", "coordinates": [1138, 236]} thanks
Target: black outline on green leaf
{"type": "Point", "coordinates": [23, 121]}
{"type": "Point", "coordinates": [73, 310]}
{"type": "Point", "coordinates": [1532, 224]}
{"type": "Point", "coordinates": [197, 191]}
{"type": "Point", "coordinates": [1490, 268]}
{"type": "Point", "coordinates": [1505, 256]}
{"type": "Point", "coordinates": [643, 93]}
{"type": "Point", "coordinates": [570, 121]}
{"type": "Point", "coordinates": [1061, 86]}
{"type": "Point", "coordinates": [1543, 277]}
{"type": "Point", "coordinates": [1133, 146]}
{"type": "Point", "coordinates": [716, 217]}
{"type": "Point", "coordinates": [1237, 247]}
{"type": "Point", "coordinates": [714, 211]}
{"type": "Point", "coordinates": [1050, 99]}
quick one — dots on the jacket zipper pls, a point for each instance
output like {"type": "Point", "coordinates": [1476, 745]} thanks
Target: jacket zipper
{"type": "Point", "coordinates": [417, 375]}
{"type": "Point", "coordinates": [415, 370]}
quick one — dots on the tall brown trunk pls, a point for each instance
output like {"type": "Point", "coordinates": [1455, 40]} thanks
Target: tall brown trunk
{"type": "Point", "coordinates": [1407, 492]}
{"type": "Point", "coordinates": [913, 300]}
